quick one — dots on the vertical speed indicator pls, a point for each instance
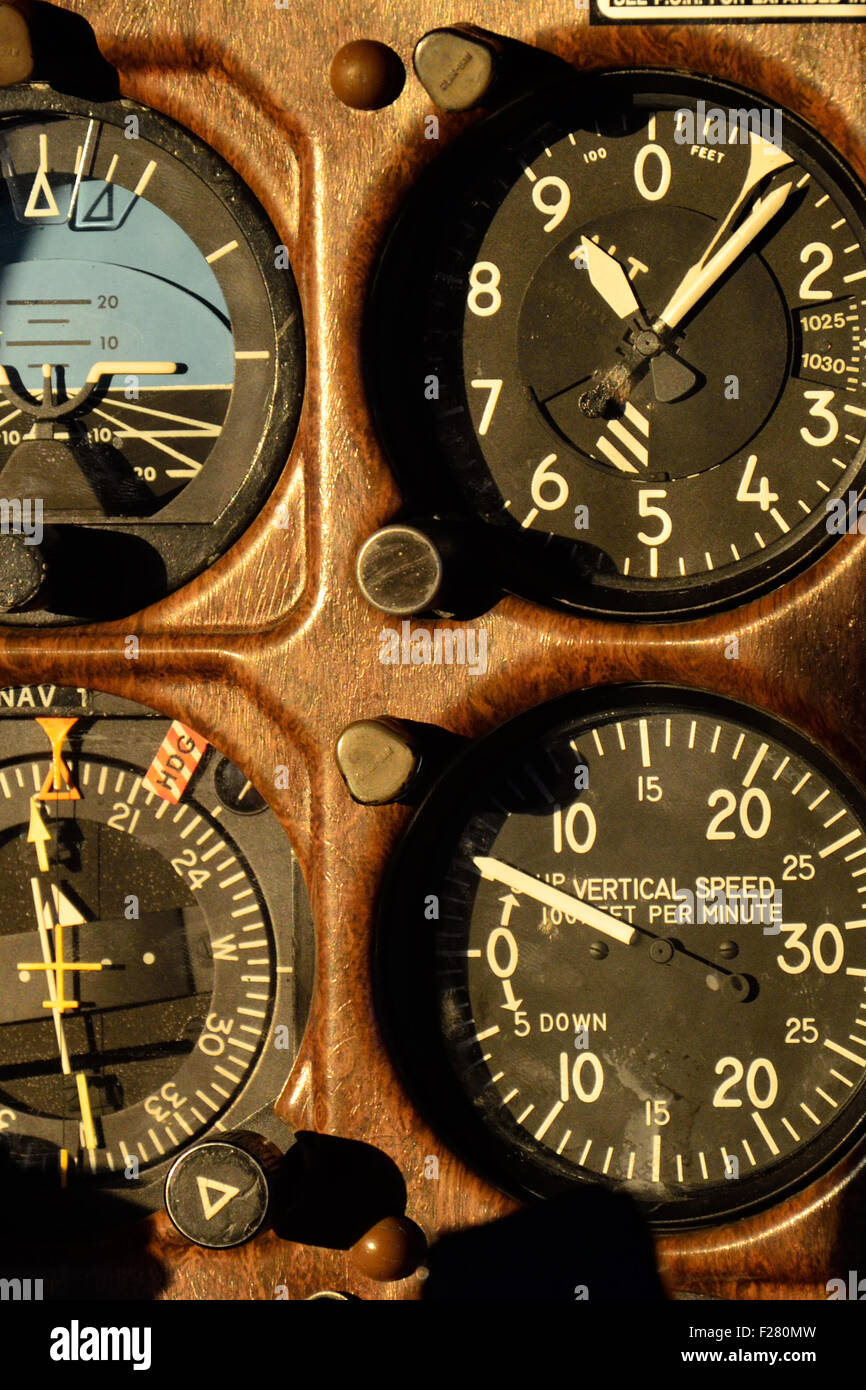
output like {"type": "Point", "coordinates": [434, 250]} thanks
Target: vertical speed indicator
{"type": "Point", "coordinates": [637, 951]}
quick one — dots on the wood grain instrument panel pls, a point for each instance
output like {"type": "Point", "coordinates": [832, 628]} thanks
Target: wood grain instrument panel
{"type": "Point", "coordinates": [273, 651]}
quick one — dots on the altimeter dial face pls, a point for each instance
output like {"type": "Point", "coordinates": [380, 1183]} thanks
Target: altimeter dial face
{"type": "Point", "coordinates": [648, 966]}
{"type": "Point", "coordinates": [646, 324]}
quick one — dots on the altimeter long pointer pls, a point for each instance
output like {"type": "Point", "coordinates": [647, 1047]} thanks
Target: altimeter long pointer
{"type": "Point", "coordinates": [702, 277]}
{"type": "Point", "coordinates": [764, 159]}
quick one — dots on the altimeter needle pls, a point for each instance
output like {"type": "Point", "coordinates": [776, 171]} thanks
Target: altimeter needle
{"type": "Point", "coordinates": [694, 286]}
{"type": "Point", "coordinates": [608, 279]}
{"type": "Point", "coordinates": [700, 278]}
{"type": "Point", "coordinates": [671, 377]}
{"type": "Point", "coordinates": [764, 158]}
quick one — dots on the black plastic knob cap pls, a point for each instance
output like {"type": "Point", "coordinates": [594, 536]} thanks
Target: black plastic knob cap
{"type": "Point", "coordinates": [218, 1193]}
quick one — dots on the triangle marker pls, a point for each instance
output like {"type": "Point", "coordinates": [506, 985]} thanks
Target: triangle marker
{"type": "Point", "coordinates": [211, 1206]}
{"type": "Point", "coordinates": [41, 187]}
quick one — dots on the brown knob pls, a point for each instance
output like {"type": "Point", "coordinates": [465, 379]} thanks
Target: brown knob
{"type": "Point", "coordinates": [367, 75]}
{"type": "Point", "coordinates": [392, 1249]}
{"type": "Point", "coordinates": [16, 55]}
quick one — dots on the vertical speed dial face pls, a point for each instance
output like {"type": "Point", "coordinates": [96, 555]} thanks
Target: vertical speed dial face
{"type": "Point", "coordinates": [637, 952]}
{"type": "Point", "coordinates": [155, 933]}
{"type": "Point", "coordinates": [623, 322]}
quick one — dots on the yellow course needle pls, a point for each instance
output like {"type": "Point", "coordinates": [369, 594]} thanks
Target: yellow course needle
{"type": "Point", "coordinates": [90, 1139]}
{"type": "Point", "coordinates": [38, 834]}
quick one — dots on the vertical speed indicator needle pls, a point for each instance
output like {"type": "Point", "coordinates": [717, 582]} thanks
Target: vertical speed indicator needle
{"type": "Point", "coordinates": [582, 912]}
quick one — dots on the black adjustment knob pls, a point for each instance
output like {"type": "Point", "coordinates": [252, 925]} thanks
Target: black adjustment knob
{"type": "Point", "coordinates": [22, 572]}
{"type": "Point", "coordinates": [400, 570]}
{"type": "Point", "coordinates": [378, 760]}
{"type": "Point", "coordinates": [457, 65]}
{"type": "Point", "coordinates": [218, 1194]}
{"type": "Point", "coordinates": [439, 566]}
{"type": "Point", "coordinates": [461, 66]}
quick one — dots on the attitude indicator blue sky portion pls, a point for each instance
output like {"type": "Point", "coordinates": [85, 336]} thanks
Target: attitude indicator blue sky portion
{"type": "Point", "coordinates": [116, 279]}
